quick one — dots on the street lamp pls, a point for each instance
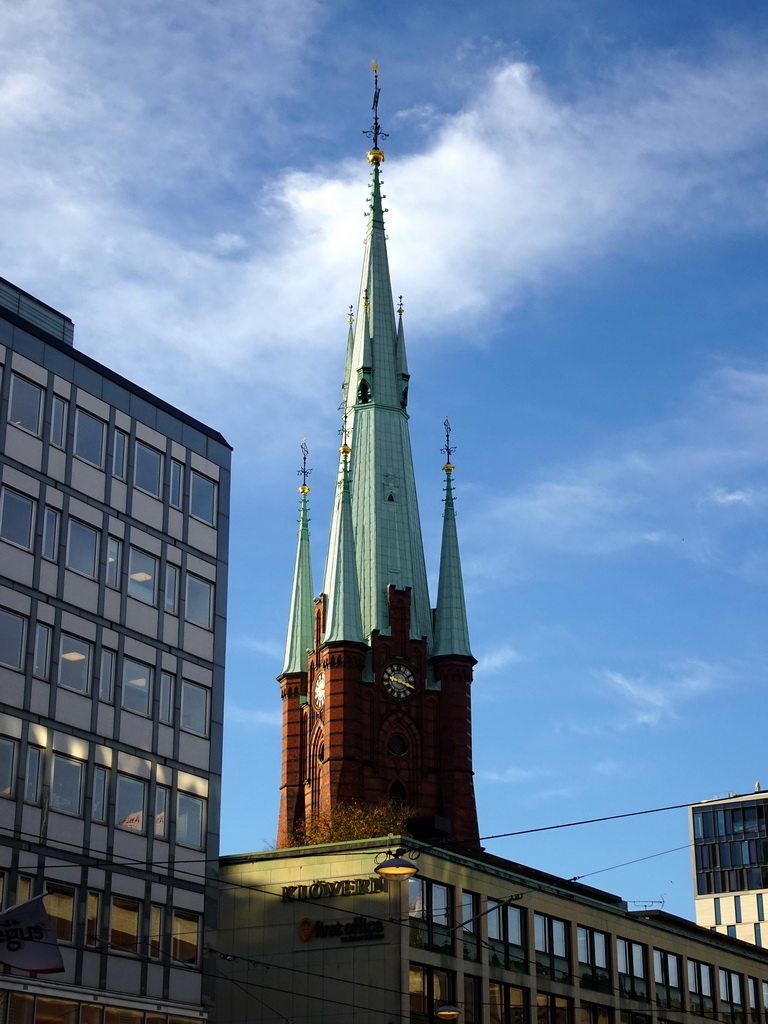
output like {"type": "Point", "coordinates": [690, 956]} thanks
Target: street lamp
{"type": "Point", "coordinates": [447, 1012]}
{"type": "Point", "coordinates": [397, 867]}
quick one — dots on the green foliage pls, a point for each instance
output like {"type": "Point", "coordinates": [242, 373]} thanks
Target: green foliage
{"type": "Point", "coordinates": [352, 821]}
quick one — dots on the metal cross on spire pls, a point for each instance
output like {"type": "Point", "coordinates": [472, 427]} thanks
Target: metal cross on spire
{"type": "Point", "coordinates": [304, 472]}
{"type": "Point", "coordinates": [448, 450]}
{"type": "Point", "coordinates": [375, 132]}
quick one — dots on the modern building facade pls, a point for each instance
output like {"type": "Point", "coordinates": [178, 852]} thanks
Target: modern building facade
{"type": "Point", "coordinates": [729, 847]}
{"type": "Point", "coordinates": [314, 934]}
{"type": "Point", "coordinates": [375, 684]}
{"type": "Point", "coordinates": [113, 578]}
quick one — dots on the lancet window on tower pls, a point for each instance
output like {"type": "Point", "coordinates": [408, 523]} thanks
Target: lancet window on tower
{"type": "Point", "coordinates": [363, 393]}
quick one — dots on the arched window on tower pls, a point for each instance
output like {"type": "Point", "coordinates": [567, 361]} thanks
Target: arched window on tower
{"type": "Point", "coordinates": [363, 393]}
{"type": "Point", "coordinates": [404, 398]}
{"type": "Point", "coordinates": [397, 793]}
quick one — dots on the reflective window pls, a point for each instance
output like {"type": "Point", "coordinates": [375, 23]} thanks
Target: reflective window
{"type": "Point", "coordinates": [185, 946]}
{"type": "Point", "coordinates": [199, 601]}
{"type": "Point", "coordinates": [50, 533]}
{"type": "Point", "coordinates": [506, 935]}
{"type": "Point", "coordinates": [593, 959]}
{"type": "Point", "coordinates": [137, 686]}
{"type": "Point", "coordinates": [7, 766]}
{"type": "Point", "coordinates": [114, 561]}
{"type": "Point", "coordinates": [74, 663]}
{"type": "Point", "coordinates": [552, 954]}
{"type": "Point", "coordinates": [32, 778]}
{"type": "Point", "coordinates": [60, 907]}
{"type": "Point", "coordinates": [631, 960]}
{"type": "Point", "coordinates": [194, 708]}
{"type": "Point", "coordinates": [148, 469]}
{"type": "Point", "coordinates": [166, 697]}
{"type": "Point", "coordinates": [11, 638]}
{"type": "Point", "coordinates": [142, 576]}
{"type": "Point", "coordinates": [107, 674]}
{"type": "Point", "coordinates": [92, 930]}
{"type": "Point", "coordinates": [26, 405]}
{"type": "Point", "coordinates": [99, 803]}
{"type": "Point", "coordinates": [162, 800]}
{"type": "Point", "coordinates": [202, 498]}
{"type": "Point", "coordinates": [124, 924]}
{"type": "Point", "coordinates": [190, 820]}
{"type": "Point", "coordinates": [59, 411]}
{"type": "Point", "coordinates": [17, 517]}
{"type": "Point", "coordinates": [171, 589]}
{"type": "Point", "coordinates": [177, 484]}
{"type": "Point", "coordinates": [430, 907]}
{"type": "Point", "coordinates": [82, 548]}
{"type": "Point", "coordinates": [120, 455]}
{"type": "Point", "coordinates": [89, 438]}
{"type": "Point", "coordinates": [130, 803]}
{"type": "Point", "coordinates": [67, 784]}
{"type": "Point", "coordinates": [42, 659]}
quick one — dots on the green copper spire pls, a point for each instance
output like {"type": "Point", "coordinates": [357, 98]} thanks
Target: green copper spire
{"type": "Point", "coordinates": [301, 620]}
{"type": "Point", "coordinates": [342, 615]}
{"type": "Point", "coordinates": [383, 506]}
{"type": "Point", "coordinates": [451, 631]}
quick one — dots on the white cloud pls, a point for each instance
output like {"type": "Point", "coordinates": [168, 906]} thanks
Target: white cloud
{"type": "Point", "coordinates": [650, 702]}
{"type": "Point", "coordinates": [515, 775]}
{"type": "Point", "coordinates": [249, 643]}
{"type": "Point", "coordinates": [498, 658]}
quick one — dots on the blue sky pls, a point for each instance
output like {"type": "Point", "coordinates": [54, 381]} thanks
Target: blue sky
{"type": "Point", "coordinates": [578, 199]}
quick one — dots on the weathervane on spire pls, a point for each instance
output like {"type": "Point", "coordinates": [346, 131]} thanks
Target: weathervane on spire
{"type": "Point", "coordinates": [345, 449]}
{"type": "Point", "coordinates": [304, 472]}
{"type": "Point", "coordinates": [375, 156]}
{"type": "Point", "coordinates": [448, 450]}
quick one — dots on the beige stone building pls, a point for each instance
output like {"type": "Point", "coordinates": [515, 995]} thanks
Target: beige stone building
{"type": "Point", "coordinates": [313, 934]}
{"type": "Point", "coordinates": [729, 850]}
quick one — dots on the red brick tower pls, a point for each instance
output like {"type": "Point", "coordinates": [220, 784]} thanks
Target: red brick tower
{"type": "Point", "coordinates": [376, 683]}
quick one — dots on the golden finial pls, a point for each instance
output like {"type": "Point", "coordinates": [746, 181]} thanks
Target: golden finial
{"type": "Point", "coordinates": [400, 309]}
{"type": "Point", "coordinates": [350, 317]}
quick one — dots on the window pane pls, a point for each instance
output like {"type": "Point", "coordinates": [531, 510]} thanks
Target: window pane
{"type": "Point", "coordinates": [137, 686]}
{"type": "Point", "coordinates": [32, 780]}
{"type": "Point", "coordinates": [171, 588]}
{"type": "Point", "coordinates": [124, 929]}
{"type": "Point", "coordinates": [194, 708]}
{"type": "Point", "coordinates": [7, 766]}
{"type": "Point", "coordinates": [177, 481]}
{"type": "Point", "coordinates": [91, 931]}
{"type": "Point", "coordinates": [42, 659]}
{"type": "Point", "coordinates": [11, 639]}
{"type": "Point", "coordinates": [166, 697]}
{"type": "Point", "coordinates": [82, 547]}
{"type": "Point", "coordinates": [142, 576]}
{"type": "Point", "coordinates": [26, 402]}
{"type": "Point", "coordinates": [129, 808]}
{"type": "Point", "coordinates": [114, 561]}
{"type": "Point", "coordinates": [155, 932]}
{"type": "Point", "coordinates": [89, 438]}
{"type": "Point", "coordinates": [67, 784]}
{"type": "Point", "coordinates": [74, 663]}
{"type": "Point", "coordinates": [59, 421]}
{"type": "Point", "coordinates": [17, 514]}
{"type": "Point", "coordinates": [99, 803]}
{"type": "Point", "coordinates": [119, 456]}
{"type": "Point", "coordinates": [161, 811]}
{"type": "Point", "coordinates": [107, 675]}
{"type": "Point", "coordinates": [185, 944]}
{"type": "Point", "coordinates": [148, 470]}
{"type": "Point", "coordinates": [189, 820]}
{"type": "Point", "coordinates": [202, 498]}
{"type": "Point", "coordinates": [199, 600]}
{"type": "Point", "coordinates": [50, 533]}
{"type": "Point", "coordinates": [60, 906]}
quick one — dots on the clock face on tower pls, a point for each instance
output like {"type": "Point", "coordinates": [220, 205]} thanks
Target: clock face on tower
{"type": "Point", "coordinates": [318, 694]}
{"type": "Point", "coordinates": [399, 681]}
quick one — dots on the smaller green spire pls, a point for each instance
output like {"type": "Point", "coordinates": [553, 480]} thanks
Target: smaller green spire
{"type": "Point", "coordinates": [451, 629]}
{"type": "Point", "coordinates": [302, 617]}
{"type": "Point", "coordinates": [342, 614]}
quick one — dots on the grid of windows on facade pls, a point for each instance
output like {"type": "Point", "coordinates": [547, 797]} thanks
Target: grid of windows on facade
{"type": "Point", "coordinates": [90, 552]}
{"type": "Point", "coordinates": [731, 847]}
{"type": "Point", "coordinates": [71, 786]}
{"type": "Point", "coordinates": [20, 1008]}
{"type": "Point", "coordinates": [85, 667]}
{"type": "Point", "coordinates": [35, 410]}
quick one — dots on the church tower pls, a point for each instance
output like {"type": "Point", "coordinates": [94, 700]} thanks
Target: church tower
{"type": "Point", "coordinates": [376, 684]}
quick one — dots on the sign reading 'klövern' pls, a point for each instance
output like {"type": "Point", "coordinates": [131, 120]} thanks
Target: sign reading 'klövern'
{"type": "Point", "coordinates": [345, 887]}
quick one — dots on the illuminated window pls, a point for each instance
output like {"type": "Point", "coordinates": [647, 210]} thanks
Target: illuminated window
{"type": "Point", "coordinates": [74, 663]}
{"type": "Point", "coordinates": [430, 907]}
{"type": "Point", "coordinates": [137, 686]}
{"type": "Point", "coordinates": [185, 945]}
{"type": "Point", "coordinates": [142, 576]}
